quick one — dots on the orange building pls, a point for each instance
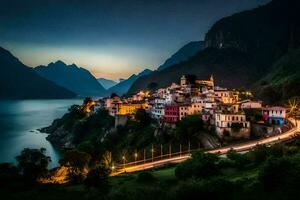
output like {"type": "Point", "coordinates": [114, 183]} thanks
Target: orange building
{"type": "Point", "coordinates": [130, 108]}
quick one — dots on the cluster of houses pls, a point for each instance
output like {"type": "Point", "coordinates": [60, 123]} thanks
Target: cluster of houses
{"type": "Point", "coordinates": [218, 107]}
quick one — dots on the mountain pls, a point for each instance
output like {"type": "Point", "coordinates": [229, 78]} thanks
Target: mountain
{"type": "Point", "coordinates": [18, 81]}
{"type": "Point", "coordinates": [123, 86]}
{"type": "Point", "coordinates": [106, 83]}
{"type": "Point", "coordinates": [284, 80]}
{"type": "Point", "coordinates": [76, 79]}
{"type": "Point", "coordinates": [240, 49]}
{"type": "Point", "coordinates": [183, 54]}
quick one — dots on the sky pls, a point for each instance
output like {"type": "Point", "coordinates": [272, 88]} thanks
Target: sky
{"type": "Point", "coordinates": [111, 38]}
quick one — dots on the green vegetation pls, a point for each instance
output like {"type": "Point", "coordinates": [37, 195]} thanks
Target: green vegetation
{"type": "Point", "coordinates": [189, 128]}
{"type": "Point", "coordinates": [201, 166]}
{"type": "Point", "coordinates": [263, 173]}
{"type": "Point", "coordinates": [32, 164]}
{"type": "Point", "coordinates": [283, 82]}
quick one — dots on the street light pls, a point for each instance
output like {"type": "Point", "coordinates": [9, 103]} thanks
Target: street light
{"type": "Point", "coordinates": [113, 167]}
{"type": "Point", "coordinates": [180, 150]}
{"type": "Point", "coordinates": [135, 157]}
{"type": "Point", "coordinates": [124, 160]}
{"type": "Point", "coordinates": [152, 151]}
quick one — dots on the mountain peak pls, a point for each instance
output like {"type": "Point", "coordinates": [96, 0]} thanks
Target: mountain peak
{"type": "Point", "coordinates": [59, 62]}
{"type": "Point", "coordinates": [6, 55]}
{"type": "Point", "coordinates": [78, 80]}
{"type": "Point", "coordinates": [144, 72]}
{"type": "Point", "coordinates": [14, 82]}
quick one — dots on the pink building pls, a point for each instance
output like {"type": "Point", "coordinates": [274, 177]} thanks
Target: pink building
{"type": "Point", "coordinates": [171, 113]}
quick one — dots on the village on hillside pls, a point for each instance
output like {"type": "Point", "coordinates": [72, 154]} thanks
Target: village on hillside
{"type": "Point", "coordinates": [232, 114]}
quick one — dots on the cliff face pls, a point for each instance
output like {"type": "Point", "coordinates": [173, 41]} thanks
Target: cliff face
{"type": "Point", "coordinates": [265, 33]}
{"type": "Point", "coordinates": [240, 49]}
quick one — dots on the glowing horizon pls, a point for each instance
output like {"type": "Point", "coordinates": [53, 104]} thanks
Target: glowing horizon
{"type": "Point", "coordinates": [111, 39]}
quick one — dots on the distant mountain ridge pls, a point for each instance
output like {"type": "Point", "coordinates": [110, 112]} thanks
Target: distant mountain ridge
{"type": "Point", "coordinates": [123, 86]}
{"type": "Point", "coordinates": [240, 49]}
{"type": "Point", "coordinates": [106, 83]}
{"type": "Point", "coordinates": [17, 81]}
{"type": "Point", "coordinates": [183, 54]}
{"type": "Point", "coordinates": [72, 77]}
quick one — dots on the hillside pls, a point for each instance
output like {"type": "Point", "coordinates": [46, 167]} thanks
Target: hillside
{"type": "Point", "coordinates": [123, 86]}
{"type": "Point", "coordinates": [183, 54]}
{"type": "Point", "coordinates": [240, 49]}
{"type": "Point", "coordinates": [284, 80]}
{"type": "Point", "coordinates": [18, 81]}
{"type": "Point", "coordinates": [76, 79]}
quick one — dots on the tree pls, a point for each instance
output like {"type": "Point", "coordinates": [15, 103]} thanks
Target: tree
{"type": "Point", "coordinates": [259, 154]}
{"type": "Point", "coordinates": [240, 161]}
{"type": "Point", "coordinates": [145, 177]}
{"type": "Point", "coordinates": [33, 164]}
{"type": "Point", "coordinates": [293, 104]}
{"type": "Point", "coordinates": [77, 164]}
{"type": "Point", "coordinates": [88, 105]}
{"type": "Point", "coordinates": [188, 128]}
{"type": "Point", "coordinates": [107, 159]}
{"type": "Point", "coordinates": [8, 173]}
{"type": "Point", "coordinates": [98, 178]}
{"type": "Point", "coordinates": [142, 117]}
{"type": "Point", "coordinates": [202, 165]}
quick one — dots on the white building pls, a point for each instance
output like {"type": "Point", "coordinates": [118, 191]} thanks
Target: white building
{"type": "Point", "coordinates": [234, 124]}
{"type": "Point", "coordinates": [157, 110]}
{"type": "Point", "coordinates": [249, 104]}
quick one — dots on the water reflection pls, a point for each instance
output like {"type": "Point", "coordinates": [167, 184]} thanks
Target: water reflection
{"type": "Point", "coordinates": [19, 121]}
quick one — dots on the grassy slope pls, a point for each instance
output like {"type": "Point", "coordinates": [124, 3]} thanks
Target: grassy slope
{"type": "Point", "coordinates": [284, 79]}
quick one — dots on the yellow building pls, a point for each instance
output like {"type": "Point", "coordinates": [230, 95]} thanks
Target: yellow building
{"type": "Point", "coordinates": [209, 83]}
{"type": "Point", "coordinates": [130, 108]}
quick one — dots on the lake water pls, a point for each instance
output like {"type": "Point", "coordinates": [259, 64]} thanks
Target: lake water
{"type": "Point", "coordinates": [19, 121]}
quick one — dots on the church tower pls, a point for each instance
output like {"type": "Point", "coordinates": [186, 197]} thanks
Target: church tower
{"type": "Point", "coordinates": [183, 81]}
{"type": "Point", "coordinates": [212, 81]}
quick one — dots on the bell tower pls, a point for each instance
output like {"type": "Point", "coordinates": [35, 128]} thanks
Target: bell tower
{"type": "Point", "coordinates": [183, 81]}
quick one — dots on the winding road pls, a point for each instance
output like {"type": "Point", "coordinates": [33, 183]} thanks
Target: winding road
{"type": "Point", "coordinates": [243, 147]}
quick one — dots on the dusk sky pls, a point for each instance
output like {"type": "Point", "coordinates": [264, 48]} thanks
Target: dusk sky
{"type": "Point", "coordinates": [111, 38]}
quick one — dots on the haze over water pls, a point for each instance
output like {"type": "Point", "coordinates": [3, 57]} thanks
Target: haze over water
{"type": "Point", "coordinates": [19, 121]}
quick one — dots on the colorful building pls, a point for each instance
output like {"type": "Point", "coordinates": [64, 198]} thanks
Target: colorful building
{"type": "Point", "coordinates": [189, 109]}
{"type": "Point", "coordinates": [130, 108]}
{"type": "Point", "coordinates": [171, 113]}
{"type": "Point", "coordinates": [233, 124]}
{"type": "Point", "coordinates": [274, 115]}
{"type": "Point", "coordinates": [249, 104]}
{"type": "Point", "coordinates": [158, 108]}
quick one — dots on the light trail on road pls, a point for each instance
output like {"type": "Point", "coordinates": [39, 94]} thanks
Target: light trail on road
{"type": "Point", "coordinates": [243, 147]}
